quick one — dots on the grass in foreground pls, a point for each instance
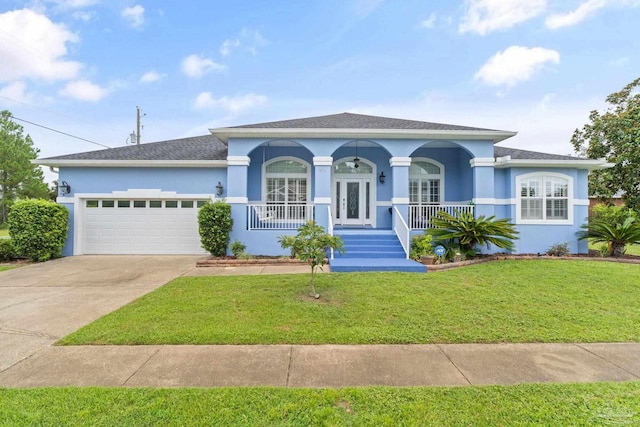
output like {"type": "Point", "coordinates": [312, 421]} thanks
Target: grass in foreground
{"type": "Point", "coordinates": [509, 301]}
{"type": "Point", "coordinates": [4, 232]}
{"type": "Point", "coordinates": [528, 404]}
{"type": "Point", "coordinates": [6, 267]}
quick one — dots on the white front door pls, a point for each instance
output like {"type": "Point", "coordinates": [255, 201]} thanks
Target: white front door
{"type": "Point", "coordinates": [352, 199]}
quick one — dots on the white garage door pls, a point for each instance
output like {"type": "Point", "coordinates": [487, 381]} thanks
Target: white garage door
{"type": "Point", "coordinates": [112, 226]}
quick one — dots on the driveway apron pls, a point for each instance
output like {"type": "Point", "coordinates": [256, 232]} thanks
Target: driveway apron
{"type": "Point", "coordinates": [41, 303]}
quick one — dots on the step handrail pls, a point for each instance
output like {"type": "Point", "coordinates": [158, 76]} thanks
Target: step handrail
{"type": "Point", "coordinates": [402, 230]}
{"type": "Point", "coordinates": [330, 227]}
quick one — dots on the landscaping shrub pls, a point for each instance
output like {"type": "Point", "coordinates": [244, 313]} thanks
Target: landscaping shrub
{"type": "Point", "coordinates": [215, 224]}
{"type": "Point", "coordinates": [421, 246]}
{"type": "Point", "coordinates": [467, 231]}
{"type": "Point", "coordinates": [558, 249]}
{"type": "Point", "coordinates": [7, 252]}
{"type": "Point", "coordinates": [612, 214]}
{"type": "Point", "coordinates": [238, 249]}
{"type": "Point", "coordinates": [615, 235]}
{"type": "Point", "coordinates": [38, 229]}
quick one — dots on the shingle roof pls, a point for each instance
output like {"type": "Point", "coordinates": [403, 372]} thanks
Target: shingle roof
{"type": "Point", "coordinates": [516, 154]}
{"type": "Point", "coordinates": [355, 121]}
{"type": "Point", "coordinates": [205, 147]}
{"type": "Point", "coordinates": [208, 147]}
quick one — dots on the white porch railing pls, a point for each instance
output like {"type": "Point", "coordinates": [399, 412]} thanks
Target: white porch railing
{"type": "Point", "coordinates": [402, 231]}
{"type": "Point", "coordinates": [420, 215]}
{"type": "Point", "coordinates": [271, 216]}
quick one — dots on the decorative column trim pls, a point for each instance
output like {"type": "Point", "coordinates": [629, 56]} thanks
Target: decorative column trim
{"type": "Point", "coordinates": [400, 161]}
{"type": "Point", "coordinates": [482, 161]}
{"type": "Point", "coordinates": [238, 160]}
{"type": "Point", "coordinates": [399, 200]}
{"type": "Point", "coordinates": [323, 161]}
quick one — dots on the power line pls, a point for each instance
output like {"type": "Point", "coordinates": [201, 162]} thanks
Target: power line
{"type": "Point", "coordinates": [68, 116]}
{"type": "Point", "coordinates": [61, 132]}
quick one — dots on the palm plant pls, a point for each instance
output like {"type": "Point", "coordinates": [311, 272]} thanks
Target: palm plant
{"type": "Point", "coordinates": [468, 231]}
{"type": "Point", "coordinates": [616, 236]}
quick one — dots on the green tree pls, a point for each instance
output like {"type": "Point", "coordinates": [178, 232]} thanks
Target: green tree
{"type": "Point", "coordinates": [19, 178]}
{"type": "Point", "coordinates": [311, 245]}
{"type": "Point", "coordinates": [468, 231]}
{"type": "Point", "coordinates": [615, 136]}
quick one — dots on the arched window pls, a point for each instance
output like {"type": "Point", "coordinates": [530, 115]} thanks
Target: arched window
{"type": "Point", "coordinates": [544, 198]}
{"type": "Point", "coordinates": [286, 181]}
{"type": "Point", "coordinates": [425, 182]}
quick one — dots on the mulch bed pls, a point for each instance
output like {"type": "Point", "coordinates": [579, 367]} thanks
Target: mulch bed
{"type": "Point", "coordinates": [235, 262]}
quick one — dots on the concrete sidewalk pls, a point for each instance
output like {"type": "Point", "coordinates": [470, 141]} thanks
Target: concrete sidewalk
{"type": "Point", "coordinates": [325, 365]}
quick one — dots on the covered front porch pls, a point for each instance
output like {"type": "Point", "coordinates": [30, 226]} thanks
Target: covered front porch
{"type": "Point", "coordinates": [361, 184]}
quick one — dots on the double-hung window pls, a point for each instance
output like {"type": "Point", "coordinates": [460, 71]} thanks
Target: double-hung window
{"type": "Point", "coordinates": [425, 183]}
{"type": "Point", "coordinates": [544, 198]}
{"type": "Point", "coordinates": [286, 184]}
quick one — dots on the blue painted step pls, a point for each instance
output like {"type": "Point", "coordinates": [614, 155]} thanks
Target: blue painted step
{"type": "Point", "coordinates": [372, 250]}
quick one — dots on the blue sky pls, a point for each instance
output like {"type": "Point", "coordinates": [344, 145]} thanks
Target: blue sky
{"type": "Point", "coordinates": [532, 66]}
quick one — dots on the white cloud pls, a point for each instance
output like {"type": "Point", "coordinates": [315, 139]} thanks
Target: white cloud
{"type": "Point", "coordinates": [83, 90]}
{"type": "Point", "coordinates": [34, 47]}
{"type": "Point", "coordinates": [151, 77]}
{"type": "Point", "coordinates": [232, 104]}
{"type": "Point", "coordinates": [251, 40]}
{"type": "Point", "coordinates": [560, 20]}
{"type": "Point", "coordinates": [228, 46]}
{"type": "Point", "coordinates": [485, 16]}
{"type": "Point", "coordinates": [515, 64]}
{"type": "Point", "coordinates": [430, 22]}
{"type": "Point", "coordinates": [364, 8]}
{"type": "Point", "coordinates": [197, 66]}
{"type": "Point", "coordinates": [83, 15]}
{"type": "Point", "coordinates": [74, 4]}
{"type": "Point", "coordinates": [17, 91]}
{"type": "Point", "coordinates": [134, 16]}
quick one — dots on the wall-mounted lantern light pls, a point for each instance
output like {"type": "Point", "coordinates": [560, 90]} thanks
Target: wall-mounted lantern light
{"type": "Point", "coordinates": [219, 189]}
{"type": "Point", "coordinates": [65, 188]}
{"type": "Point", "coordinates": [381, 177]}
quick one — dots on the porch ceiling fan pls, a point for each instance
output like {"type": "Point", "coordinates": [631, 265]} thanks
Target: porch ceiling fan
{"type": "Point", "coordinates": [356, 159]}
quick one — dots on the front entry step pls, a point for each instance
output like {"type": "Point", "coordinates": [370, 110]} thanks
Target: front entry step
{"type": "Point", "coordinates": [372, 250]}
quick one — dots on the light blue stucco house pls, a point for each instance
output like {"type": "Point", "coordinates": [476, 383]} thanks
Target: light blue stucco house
{"type": "Point", "coordinates": [375, 179]}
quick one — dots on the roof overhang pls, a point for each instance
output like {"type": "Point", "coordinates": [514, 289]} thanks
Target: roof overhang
{"type": "Point", "coordinates": [486, 135]}
{"type": "Point", "coordinates": [131, 163]}
{"type": "Point", "coordinates": [589, 164]}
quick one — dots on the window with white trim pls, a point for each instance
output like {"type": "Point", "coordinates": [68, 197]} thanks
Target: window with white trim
{"type": "Point", "coordinates": [544, 198]}
{"type": "Point", "coordinates": [286, 181]}
{"type": "Point", "coordinates": [425, 183]}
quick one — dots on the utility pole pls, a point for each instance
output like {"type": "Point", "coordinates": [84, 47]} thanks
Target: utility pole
{"type": "Point", "coordinates": [138, 125]}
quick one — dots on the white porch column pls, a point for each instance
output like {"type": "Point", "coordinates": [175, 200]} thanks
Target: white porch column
{"type": "Point", "coordinates": [483, 185]}
{"type": "Point", "coordinates": [400, 197]}
{"type": "Point", "coordinates": [236, 194]}
{"type": "Point", "coordinates": [322, 189]}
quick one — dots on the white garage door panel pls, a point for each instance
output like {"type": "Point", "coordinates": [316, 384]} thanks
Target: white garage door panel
{"type": "Point", "coordinates": [139, 230]}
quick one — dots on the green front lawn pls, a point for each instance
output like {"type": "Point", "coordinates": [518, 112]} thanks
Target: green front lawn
{"type": "Point", "coordinates": [527, 404]}
{"type": "Point", "coordinates": [7, 267]}
{"type": "Point", "coordinates": [507, 301]}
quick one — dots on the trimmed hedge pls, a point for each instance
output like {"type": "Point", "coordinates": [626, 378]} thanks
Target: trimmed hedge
{"type": "Point", "coordinates": [7, 252]}
{"type": "Point", "coordinates": [38, 229]}
{"type": "Point", "coordinates": [215, 224]}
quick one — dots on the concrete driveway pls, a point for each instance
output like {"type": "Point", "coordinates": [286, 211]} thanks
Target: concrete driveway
{"type": "Point", "coordinates": [41, 303]}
